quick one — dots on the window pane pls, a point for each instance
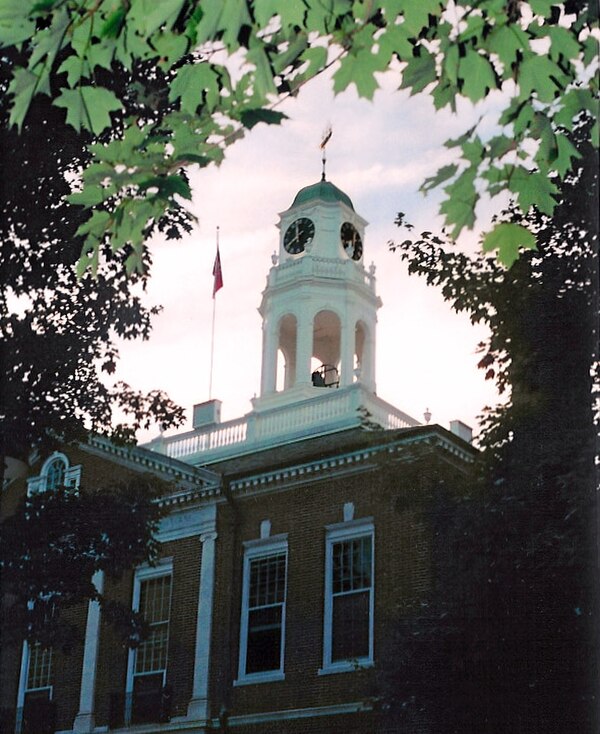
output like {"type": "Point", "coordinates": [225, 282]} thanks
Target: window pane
{"type": "Point", "coordinates": [56, 474]}
{"type": "Point", "coordinates": [267, 580]}
{"type": "Point", "coordinates": [264, 639]}
{"type": "Point", "coordinates": [352, 565]}
{"type": "Point", "coordinates": [39, 674]}
{"type": "Point", "coordinates": [266, 597]}
{"type": "Point", "coordinates": [350, 634]}
{"type": "Point", "coordinates": [155, 602]}
{"type": "Point", "coordinates": [147, 698]}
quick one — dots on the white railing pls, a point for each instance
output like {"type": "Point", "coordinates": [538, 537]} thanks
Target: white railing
{"type": "Point", "coordinates": [323, 267]}
{"type": "Point", "coordinates": [330, 410]}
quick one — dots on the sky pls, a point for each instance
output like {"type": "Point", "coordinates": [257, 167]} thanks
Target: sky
{"type": "Point", "coordinates": [379, 154]}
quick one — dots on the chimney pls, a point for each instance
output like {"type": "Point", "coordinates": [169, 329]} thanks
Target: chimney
{"type": "Point", "coordinates": [206, 414]}
{"type": "Point", "coordinates": [462, 430]}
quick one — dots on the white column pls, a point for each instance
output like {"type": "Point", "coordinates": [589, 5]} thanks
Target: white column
{"type": "Point", "coordinates": [269, 358]}
{"type": "Point", "coordinates": [198, 706]}
{"type": "Point", "coordinates": [84, 721]}
{"type": "Point", "coordinates": [347, 345]}
{"type": "Point", "coordinates": [304, 346]}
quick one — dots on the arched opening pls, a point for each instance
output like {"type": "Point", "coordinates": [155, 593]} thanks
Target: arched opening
{"type": "Point", "coordinates": [286, 354]}
{"type": "Point", "coordinates": [325, 363]}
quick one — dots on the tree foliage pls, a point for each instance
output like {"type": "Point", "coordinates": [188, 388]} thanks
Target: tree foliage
{"type": "Point", "coordinates": [514, 622]}
{"type": "Point", "coordinates": [55, 542]}
{"type": "Point", "coordinates": [245, 55]}
{"type": "Point", "coordinates": [58, 332]}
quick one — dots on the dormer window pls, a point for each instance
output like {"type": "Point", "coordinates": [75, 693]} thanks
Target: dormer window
{"type": "Point", "coordinates": [56, 472]}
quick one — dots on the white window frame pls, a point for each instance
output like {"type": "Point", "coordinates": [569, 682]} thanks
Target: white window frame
{"type": "Point", "coordinates": [40, 483]}
{"type": "Point", "coordinates": [341, 532]}
{"type": "Point", "coordinates": [164, 567]}
{"type": "Point", "coordinates": [255, 549]}
{"type": "Point", "coordinates": [23, 690]}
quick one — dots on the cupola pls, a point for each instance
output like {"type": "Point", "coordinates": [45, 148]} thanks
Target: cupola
{"type": "Point", "coordinates": [319, 306]}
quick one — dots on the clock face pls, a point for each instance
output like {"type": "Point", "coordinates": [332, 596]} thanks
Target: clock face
{"type": "Point", "coordinates": [298, 235]}
{"type": "Point", "coordinates": [351, 240]}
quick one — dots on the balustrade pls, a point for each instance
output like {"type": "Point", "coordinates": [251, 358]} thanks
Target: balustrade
{"type": "Point", "coordinates": [327, 412]}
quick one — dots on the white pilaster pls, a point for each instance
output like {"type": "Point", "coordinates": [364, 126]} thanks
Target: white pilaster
{"type": "Point", "coordinates": [198, 706]}
{"type": "Point", "coordinates": [85, 720]}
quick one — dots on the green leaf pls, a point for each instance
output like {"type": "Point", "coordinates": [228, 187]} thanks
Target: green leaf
{"type": "Point", "coordinates": [112, 25]}
{"type": "Point", "coordinates": [459, 207]}
{"type": "Point", "coordinates": [450, 64]}
{"type": "Point", "coordinates": [573, 103]}
{"type": "Point", "coordinates": [250, 118]}
{"type": "Point", "coordinates": [316, 58]}
{"type": "Point", "coordinates": [499, 146]}
{"type": "Point", "coordinates": [443, 174]}
{"type": "Point", "coordinates": [23, 87]}
{"type": "Point", "coordinates": [147, 16]}
{"type": "Point", "coordinates": [168, 186]}
{"type": "Point", "coordinates": [563, 43]}
{"type": "Point", "coordinates": [566, 152]}
{"type": "Point", "coordinates": [506, 41]}
{"type": "Point", "coordinates": [533, 189]}
{"type": "Point", "coordinates": [507, 238]}
{"type": "Point", "coordinates": [477, 75]}
{"type": "Point", "coordinates": [541, 7]}
{"type": "Point", "coordinates": [418, 73]}
{"type": "Point", "coordinates": [90, 196]}
{"type": "Point", "coordinates": [15, 25]}
{"type": "Point", "coordinates": [541, 77]}
{"type": "Point", "coordinates": [89, 107]}
{"type": "Point", "coordinates": [360, 70]}
{"type": "Point", "coordinates": [192, 82]}
{"type": "Point", "coordinates": [75, 68]}
{"type": "Point", "coordinates": [395, 41]}
{"type": "Point", "coordinates": [100, 54]}
{"type": "Point", "coordinates": [171, 47]}
{"type": "Point", "coordinates": [416, 14]}
{"type": "Point", "coordinates": [263, 75]}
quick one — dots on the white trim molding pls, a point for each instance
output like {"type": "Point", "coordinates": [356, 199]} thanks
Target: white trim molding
{"type": "Point", "coordinates": [255, 551]}
{"type": "Point", "coordinates": [339, 533]}
{"type": "Point", "coordinates": [340, 709]}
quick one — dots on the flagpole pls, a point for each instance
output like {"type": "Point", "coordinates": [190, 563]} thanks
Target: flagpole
{"type": "Point", "coordinates": [212, 335]}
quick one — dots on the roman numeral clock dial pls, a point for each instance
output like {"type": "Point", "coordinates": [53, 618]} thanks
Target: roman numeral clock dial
{"type": "Point", "coordinates": [298, 235]}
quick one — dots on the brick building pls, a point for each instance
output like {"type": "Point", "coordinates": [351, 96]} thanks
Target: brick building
{"type": "Point", "coordinates": [296, 537]}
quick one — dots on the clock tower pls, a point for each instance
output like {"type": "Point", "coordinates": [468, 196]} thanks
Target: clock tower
{"type": "Point", "coordinates": [319, 307]}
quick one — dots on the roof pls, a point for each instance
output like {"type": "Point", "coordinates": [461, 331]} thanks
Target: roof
{"type": "Point", "coordinates": [323, 191]}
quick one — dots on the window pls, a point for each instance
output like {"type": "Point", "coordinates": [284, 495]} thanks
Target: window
{"type": "Point", "coordinates": [39, 670]}
{"type": "Point", "coordinates": [147, 695]}
{"type": "Point", "coordinates": [348, 618]}
{"type": "Point", "coordinates": [38, 711]}
{"type": "Point", "coordinates": [263, 611]}
{"type": "Point", "coordinates": [56, 472]}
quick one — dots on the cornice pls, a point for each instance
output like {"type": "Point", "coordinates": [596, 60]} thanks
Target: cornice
{"type": "Point", "coordinates": [352, 462]}
{"type": "Point", "coordinates": [204, 481]}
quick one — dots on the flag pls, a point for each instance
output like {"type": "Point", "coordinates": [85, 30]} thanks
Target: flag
{"type": "Point", "coordinates": [217, 273]}
{"type": "Point", "coordinates": [326, 135]}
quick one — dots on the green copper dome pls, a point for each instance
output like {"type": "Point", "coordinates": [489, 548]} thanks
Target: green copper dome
{"type": "Point", "coordinates": [323, 191]}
